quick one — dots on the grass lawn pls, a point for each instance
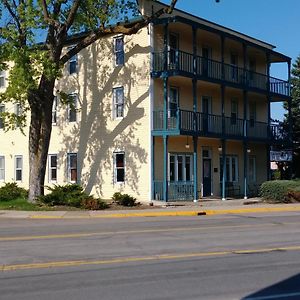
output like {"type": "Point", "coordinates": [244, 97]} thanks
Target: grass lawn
{"type": "Point", "coordinates": [20, 204]}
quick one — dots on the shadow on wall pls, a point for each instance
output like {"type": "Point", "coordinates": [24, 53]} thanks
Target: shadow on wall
{"type": "Point", "coordinates": [96, 136]}
{"type": "Point", "coordinates": [285, 289]}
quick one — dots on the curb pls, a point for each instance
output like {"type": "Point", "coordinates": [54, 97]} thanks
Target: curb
{"type": "Point", "coordinates": [191, 213]}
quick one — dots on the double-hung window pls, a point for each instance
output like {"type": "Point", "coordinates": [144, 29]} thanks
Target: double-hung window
{"type": "Point", "coordinates": [72, 111]}
{"type": "Point", "coordinates": [2, 110]}
{"type": "Point", "coordinates": [18, 167]}
{"type": "Point", "coordinates": [2, 79]}
{"type": "Point", "coordinates": [231, 168]}
{"type": "Point", "coordinates": [52, 160]}
{"type": "Point", "coordinates": [118, 102]}
{"type": "Point", "coordinates": [72, 167]}
{"type": "Point", "coordinates": [73, 63]}
{"type": "Point", "coordinates": [119, 167]}
{"type": "Point", "coordinates": [54, 110]}
{"type": "Point", "coordinates": [119, 50]}
{"type": "Point", "coordinates": [2, 168]}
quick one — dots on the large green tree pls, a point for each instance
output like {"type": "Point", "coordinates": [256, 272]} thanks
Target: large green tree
{"type": "Point", "coordinates": [33, 34]}
{"type": "Point", "coordinates": [295, 119]}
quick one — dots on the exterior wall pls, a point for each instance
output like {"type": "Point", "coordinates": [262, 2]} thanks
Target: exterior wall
{"type": "Point", "coordinates": [96, 134]}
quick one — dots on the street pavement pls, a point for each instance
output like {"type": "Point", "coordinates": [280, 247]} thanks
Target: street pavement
{"type": "Point", "coordinates": [249, 256]}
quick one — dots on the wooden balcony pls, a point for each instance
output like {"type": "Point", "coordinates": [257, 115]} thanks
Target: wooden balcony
{"type": "Point", "coordinates": [176, 62]}
{"type": "Point", "coordinates": [184, 122]}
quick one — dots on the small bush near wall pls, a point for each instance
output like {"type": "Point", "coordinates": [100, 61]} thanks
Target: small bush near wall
{"type": "Point", "coordinates": [279, 190]}
{"type": "Point", "coordinates": [71, 195]}
{"type": "Point", "coordinates": [124, 199]}
{"type": "Point", "coordinates": [11, 191]}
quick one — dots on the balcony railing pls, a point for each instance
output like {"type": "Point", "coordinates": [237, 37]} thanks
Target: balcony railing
{"type": "Point", "coordinates": [202, 124]}
{"type": "Point", "coordinates": [186, 63]}
{"type": "Point", "coordinates": [177, 191]}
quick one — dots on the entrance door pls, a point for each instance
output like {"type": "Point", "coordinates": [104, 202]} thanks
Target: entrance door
{"type": "Point", "coordinates": [206, 111]}
{"type": "Point", "coordinates": [173, 48]}
{"type": "Point", "coordinates": [206, 56]}
{"type": "Point", "coordinates": [206, 177]}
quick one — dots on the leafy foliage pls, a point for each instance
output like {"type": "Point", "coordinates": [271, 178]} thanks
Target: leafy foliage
{"type": "Point", "coordinates": [278, 190]}
{"type": "Point", "coordinates": [124, 199]}
{"type": "Point", "coordinates": [295, 108]}
{"type": "Point", "coordinates": [71, 195]}
{"type": "Point", "coordinates": [11, 191]}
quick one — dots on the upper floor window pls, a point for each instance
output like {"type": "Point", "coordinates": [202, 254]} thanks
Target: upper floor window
{"type": "Point", "coordinates": [54, 110]}
{"type": "Point", "coordinates": [52, 160]}
{"type": "Point", "coordinates": [72, 111]}
{"type": "Point", "coordinates": [2, 168]}
{"type": "Point", "coordinates": [2, 110]}
{"type": "Point", "coordinates": [119, 50]}
{"type": "Point", "coordinates": [72, 167]}
{"type": "Point", "coordinates": [119, 167]}
{"type": "Point", "coordinates": [73, 63]}
{"type": "Point", "coordinates": [18, 167]}
{"type": "Point", "coordinates": [118, 102]}
{"type": "Point", "coordinates": [18, 112]}
{"type": "Point", "coordinates": [2, 79]}
{"type": "Point", "coordinates": [173, 101]}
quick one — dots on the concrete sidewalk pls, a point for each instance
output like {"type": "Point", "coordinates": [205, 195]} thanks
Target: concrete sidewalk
{"type": "Point", "coordinates": [204, 207]}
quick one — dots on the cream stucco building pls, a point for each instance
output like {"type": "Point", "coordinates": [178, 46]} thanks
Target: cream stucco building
{"type": "Point", "coordinates": [179, 111]}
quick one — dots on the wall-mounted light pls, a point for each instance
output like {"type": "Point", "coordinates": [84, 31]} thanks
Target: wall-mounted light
{"type": "Point", "coordinates": [248, 150]}
{"type": "Point", "coordinates": [220, 149]}
{"type": "Point", "coordinates": [187, 145]}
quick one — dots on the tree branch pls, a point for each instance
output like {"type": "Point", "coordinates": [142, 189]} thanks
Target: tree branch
{"type": "Point", "coordinates": [72, 14]}
{"type": "Point", "coordinates": [126, 29]}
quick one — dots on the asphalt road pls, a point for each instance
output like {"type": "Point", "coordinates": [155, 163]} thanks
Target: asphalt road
{"type": "Point", "coordinates": [254, 256]}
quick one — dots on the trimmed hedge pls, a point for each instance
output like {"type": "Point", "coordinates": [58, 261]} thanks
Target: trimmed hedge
{"type": "Point", "coordinates": [11, 191]}
{"type": "Point", "coordinates": [124, 199]}
{"type": "Point", "coordinates": [71, 195]}
{"type": "Point", "coordinates": [278, 190]}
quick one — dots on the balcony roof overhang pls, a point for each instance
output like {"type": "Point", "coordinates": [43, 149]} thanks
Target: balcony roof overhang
{"type": "Point", "coordinates": [275, 57]}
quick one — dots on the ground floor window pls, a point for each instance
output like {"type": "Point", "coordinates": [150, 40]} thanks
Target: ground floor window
{"type": "Point", "coordinates": [2, 168]}
{"type": "Point", "coordinates": [252, 169]}
{"type": "Point", "coordinates": [18, 167]}
{"type": "Point", "coordinates": [52, 167]}
{"type": "Point", "coordinates": [119, 167]}
{"type": "Point", "coordinates": [231, 168]}
{"type": "Point", "coordinates": [72, 167]}
{"type": "Point", "coordinates": [180, 167]}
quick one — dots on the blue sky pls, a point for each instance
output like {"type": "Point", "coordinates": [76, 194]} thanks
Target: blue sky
{"type": "Point", "coordinates": [274, 21]}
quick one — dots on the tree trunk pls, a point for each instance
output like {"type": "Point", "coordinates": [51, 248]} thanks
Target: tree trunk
{"type": "Point", "coordinates": [39, 136]}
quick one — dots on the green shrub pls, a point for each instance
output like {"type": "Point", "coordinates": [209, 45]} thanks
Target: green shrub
{"type": "Point", "coordinates": [124, 199]}
{"type": "Point", "coordinates": [69, 195]}
{"type": "Point", "coordinates": [11, 191]}
{"type": "Point", "coordinates": [277, 190]}
{"type": "Point", "coordinates": [93, 204]}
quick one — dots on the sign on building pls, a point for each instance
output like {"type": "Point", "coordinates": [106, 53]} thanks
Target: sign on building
{"type": "Point", "coordinates": [284, 155]}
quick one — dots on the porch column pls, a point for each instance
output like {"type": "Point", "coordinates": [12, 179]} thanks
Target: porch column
{"type": "Point", "coordinates": [195, 168]}
{"type": "Point", "coordinates": [194, 50]}
{"type": "Point", "coordinates": [166, 31]}
{"type": "Point", "coordinates": [152, 170]}
{"type": "Point", "coordinates": [245, 145]}
{"type": "Point", "coordinates": [269, 100]}
{"type": "Point", "coordinates": [222, 56]}
{"type": "Point", "coordinates": [165, 163]}
{"type": "Point", "coordinates": [165, 117]}
{"type": "Point", "coordinates": [290, 105]}
{"type": "Point", "coordinates": [224, 170]}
